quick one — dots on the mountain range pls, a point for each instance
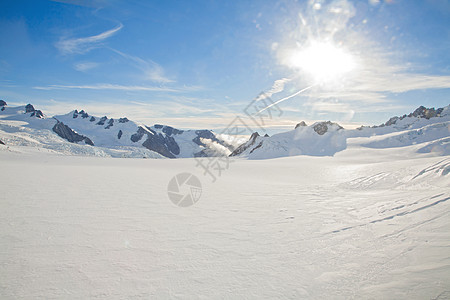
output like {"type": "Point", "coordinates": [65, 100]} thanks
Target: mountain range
{"type": "Point", "coordinates": [79, 133]}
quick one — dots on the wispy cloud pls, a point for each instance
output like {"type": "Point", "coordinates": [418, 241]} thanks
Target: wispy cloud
{"type": "Point", "coordinates": [87, 3]}
{"type": "Point", "coordinates": [152, 71]}
{"type": "Point", "coordinates": [85, 66]}
{"type": "Point", "coordinates": [84, 44]}
{"type": "Point", "coordinates": [108, 86]}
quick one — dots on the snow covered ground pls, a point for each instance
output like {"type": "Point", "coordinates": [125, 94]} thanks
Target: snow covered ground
{"type": "Point", "coordinates": [365, 224]}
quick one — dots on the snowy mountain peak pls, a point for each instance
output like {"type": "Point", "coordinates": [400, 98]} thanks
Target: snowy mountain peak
{"type": "Point", "coordinates": [301, 124]}
{"type": "Point", "coordinates": [113, 136]}
{"type": "Point", "coordinates": [421, 112]}
{"type": "Point", "coordinates": [427, 126]}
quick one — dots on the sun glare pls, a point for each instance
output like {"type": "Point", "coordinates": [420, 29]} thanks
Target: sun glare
{"type": "Point", "coordinates": [323, 61]}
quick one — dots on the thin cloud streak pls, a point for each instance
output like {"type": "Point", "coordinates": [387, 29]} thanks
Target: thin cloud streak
{"type": "Point", "coordinates": [108, 87]}
{"type": "Point", "coordinates": [85, 44]}
{"type": "Point", "coordinates": [152, 71]}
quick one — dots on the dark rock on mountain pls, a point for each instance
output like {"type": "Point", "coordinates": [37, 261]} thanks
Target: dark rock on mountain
{"type": "Point", "coordinates": [1, 143]}
{"type": "Point", "coordinates": [322, 127]}
{"type": "Point", "coordinates": [75, 114]}
{"type": "Point", "coordinates": [102, 121]}
{"type": "Point", "coordinates": [170, 130]}
{"type": "Point", "coordinates": [206, 134]}
{"type": "Point", "coordinates": [420, 112]}
{"type": "Point", "coordinates": [138, 135]}
{"type": "Point", "coordinates": [266, 135]}
{"type": "Point", "coordinates": [3, 103]}
{"type": "Point", "coordinates": [123, 120]}
{"type": "Point", "coordinates": [110, 124]}
{"type": "Point", "coordinates": [302, 123]}
{"type": "Point", "coordinates": [119, 134]}
{"type": "Point", "coordinates": [3, 108]}
{"type": "Point", "coordinates": [427, 113]}
{"type": "Point", "coordinates": [29, 108]}
{"type": "Point", "coordinates": [250, 143]}
{"type": "Point", "coordinates": [83, 114]}
{"type": "Point", "coordinates": [38, 114]}
{"type": "Point", "coordinates": [158, 144]}
{"type": "Point", "coordinates": [92, 119]}
{"type": "Point", "coordinates": [67, 133]}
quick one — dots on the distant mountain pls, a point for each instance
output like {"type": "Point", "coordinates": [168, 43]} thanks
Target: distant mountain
{"type": "Point", "coordinates": [25, 125]}
{"type": "Point", "coordinates": [425, 126]}
{"type": "Point", "coordinates": [79, 133]}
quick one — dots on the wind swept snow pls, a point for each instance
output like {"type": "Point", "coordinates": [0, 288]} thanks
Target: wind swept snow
{"type": "Point", "coordinates": [367, 223]}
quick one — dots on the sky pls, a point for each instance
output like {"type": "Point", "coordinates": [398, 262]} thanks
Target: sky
{"type": "Point", "coordinates": [199, 64]}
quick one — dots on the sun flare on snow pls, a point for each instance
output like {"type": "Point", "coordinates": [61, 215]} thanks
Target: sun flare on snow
{"type": "Point", "coordinates": [323, 61]}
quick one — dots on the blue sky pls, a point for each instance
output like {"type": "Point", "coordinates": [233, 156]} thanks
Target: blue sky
{"type": "Point", "coordinates": [198, 64]}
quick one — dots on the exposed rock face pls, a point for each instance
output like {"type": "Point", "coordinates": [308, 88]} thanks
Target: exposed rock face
{"type": "Point", "coordinates": [427, 113]}
{"type": "Point", "coordinates": [322, 127]}
{"type": "Point", "coordinates": [67, 133]}
{"type": "Point", "coordinates": [249, 144]}
{"type": "Point", "coordinates": [138, 135]}
{"type": "Point", "coordinates": [1, 143]}
{"type": "Point", "coordinates": [29, 108]}
{"type": "Point", "coordinates": [92, 119]}
{"type": "Point", "coordinates": [38, 114]}
{"type": "Point", "coordinates": [34, 113]}
{"type": "Point", "coordinates": [420, 112]}
{"type": "Point", "coordinates": [123, 120]}
{"type": "Point", "coordinates": [301, 124]}
{"type": "Point", "coordinates": [119, 134]}
{"type": "Point", "coordinates": [205, 134]}
{"type": "Point", "coordinates": [170, 130]}
{"type": "Point", "coordinates": [110, 124]}
{"type": "Point", "coordinates": [164, 145]}
{"type": "Point", "coordinates": [102, 121]}
{"type": "Point", "coordinates": [3, 103]}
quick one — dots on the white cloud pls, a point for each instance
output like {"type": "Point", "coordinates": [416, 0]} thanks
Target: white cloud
{"type": "Point", "coordinates": [85, 66]}
{"type": "Point", "coordinates": [152, 71]}
{"type": "Point", "coordinates": [107, 86]}
{"type": "Point", "coordinates": [85, 44]}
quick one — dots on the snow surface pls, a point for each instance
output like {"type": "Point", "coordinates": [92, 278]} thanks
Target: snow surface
{"type": "Point", "coordinates": [365, 224]}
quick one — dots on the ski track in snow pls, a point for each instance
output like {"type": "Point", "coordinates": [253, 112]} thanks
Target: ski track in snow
{"type": "Point", "coordinates": [363, 225]}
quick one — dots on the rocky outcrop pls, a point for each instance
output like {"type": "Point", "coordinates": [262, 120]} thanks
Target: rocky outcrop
{"type": "Point", "coordinates": [251, 143]}
{"type": "Point", "coordinates": [301, 124]}
{"type": "Point", "coordinates": [162, 144]}
{"type": "Point", "coordinates": [67, 133]}
{"type": "Point", "coordinates": [34, 112]}
{"type": "Point", "coordinates": [38, 114]}
{"type": "Point", "coordinates": [322, 127]}
{"type": "Point", "coordinates": [421, 112]}
{"type": "Point", "coordinates": [3, 103]}
{"type": "Point", "coordinates": [29, 108]}
{"type": "Point", "coordinates": [110, 124]}
{"type": "Point", "coordinates": [1, 143]}
{"type": "Point", "coordinates": [427, 113]}
{"type": "Point", "coordinates": [102, 121]}
{"type": "Point", "coordinates": [119, 134]}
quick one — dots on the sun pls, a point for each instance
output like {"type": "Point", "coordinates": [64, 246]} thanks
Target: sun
{"type": "Point", "coordinates": [323, 60]}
